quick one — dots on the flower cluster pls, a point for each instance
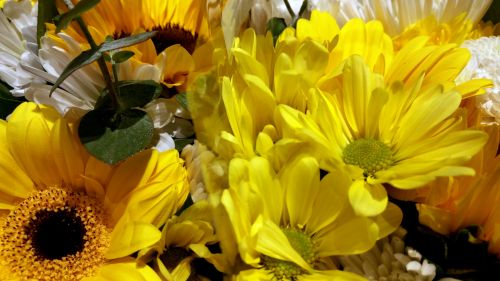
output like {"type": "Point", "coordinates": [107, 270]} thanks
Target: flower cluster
{"type": "Point", "coordinates": [249, 140]}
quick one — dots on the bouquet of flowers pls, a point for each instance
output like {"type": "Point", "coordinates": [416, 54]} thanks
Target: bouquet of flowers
{"type": "Point", "coordinates": [249, 140]}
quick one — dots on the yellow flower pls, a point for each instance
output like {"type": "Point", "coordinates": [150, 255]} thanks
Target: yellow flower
{"type": "Point", "coordinates": [182, 252]}
{"type": "Point", "coordinates": [405, 138]}
{"type": "Point", "coordinates": [456, 30]}
{"type": "Point", "coordinates": [168, 56]}
{"type": "Point", "coordinates": [287, 225]}
{"type": "Point", "coordinates": [441, 64]}
{"type": "Point", "coordinates": [66, 216]}
{"type": "Point", "coordinates": [451, 204]}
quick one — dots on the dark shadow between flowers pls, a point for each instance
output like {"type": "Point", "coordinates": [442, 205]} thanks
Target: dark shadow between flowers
{"type": "Point", "coordinates": [460, 255]}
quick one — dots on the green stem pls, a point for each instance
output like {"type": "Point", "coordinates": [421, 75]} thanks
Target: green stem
{"type": "Point", "coordinates": [289, 8]}
{"type": "Point", "coordinates": [101, 62]}
{"type": "Point", "coordinates": [301, 12]}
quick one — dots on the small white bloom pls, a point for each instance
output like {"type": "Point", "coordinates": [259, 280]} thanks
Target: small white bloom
{"type": "Point", "coordinates": [389, 260]}
{"type": "Point", "coordinates": [485, 63]}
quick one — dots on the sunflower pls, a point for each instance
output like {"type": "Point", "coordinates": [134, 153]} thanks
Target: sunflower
{"type": "Point", "coordinates": [287, 225]}
{"type": "Point", "coordinates": [180, 26]}
{"type": "Point", "coordinates": [172, 57]}
{"type": "Point", "coordinates": [65, 215]}
{"type": "Point", "coordinates": [385, 136]}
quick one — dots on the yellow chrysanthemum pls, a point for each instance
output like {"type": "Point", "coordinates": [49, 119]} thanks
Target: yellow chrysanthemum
{"type": "Point", "coordinates": [439, 63]}
{"type": "Point", "coordinates": [394, 136]}
{"type": "Point", "coordinates": [286, 226]}
{"type": "Point", "coordinates": [66, 216]}
{"type": "Point", "coordinates": [451, 204]}
{"type": "Point", "coordinates": [182, 252]}
{"type": "Point", "coordinates": [234, 115]}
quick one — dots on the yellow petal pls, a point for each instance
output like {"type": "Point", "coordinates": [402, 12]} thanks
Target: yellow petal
{"type": "Point", "coordinates": [29, 134]}
{"type": "Point", "coordinates": [329, 201]}
{"type": "Point", "coordinates": [125, 269]}
{"type": "Point", "coordinates": [132, 173]}
{"type": "Point", "coordinates": [367, 199]}
{"type": "Point", "coordinates": [128, 237]}
{"type": "Point", "coordinates": [153, 203]}
{"type": "Point", "coordinates": [389, 220]}
{"type": "Point", "coordinates": [178, 63]}
{"type": "Point", "coordinates": [15, 183]}
{"type": "Point", "coordinates": [272, 242]}
{"type": "Point", "coordinates": [301, 184]}
{"type": "Point", "coordinates": [67, 154]}
{"type": "Point", "coordinates": [356, 235]}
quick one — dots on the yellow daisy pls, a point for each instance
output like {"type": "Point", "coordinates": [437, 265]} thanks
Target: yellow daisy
{"type": "Point", "coordinates": [286, 226]}
{"type": "Point", "coordinates": [438, 63]}
{"type": "Point", "coordinates": [385, 136]}
{"type": "Point", "coordinates": [66, 216]}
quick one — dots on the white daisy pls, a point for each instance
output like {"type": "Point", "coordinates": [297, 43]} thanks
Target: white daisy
{"type": "Point", "coordinates": [18, 45]}
{"type": "Point", "coordinates": [485, 63]}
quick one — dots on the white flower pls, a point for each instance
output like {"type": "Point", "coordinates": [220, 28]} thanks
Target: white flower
{"type": "Point", "coordinates": [485, 63]}
{"type": "Point", "coordinates": [389, 260]}
{"type": "Point", "coordinates": [192, 154]}
{"type": "Point", "coordinates": [18, 47]}
{"type": "Point", "coordinates": [396, 15]}
{"type": "Point", "coordinates": [79, 92]}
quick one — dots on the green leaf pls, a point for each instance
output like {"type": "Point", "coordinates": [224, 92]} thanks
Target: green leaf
{"type": "Point", "coordinates": [83, 59]}
{"type": "Point", "coordinates": [182, 100]}
{"type": "Point", "coordinates": [7, 102]}
{"type": "Point", "coordinates": [137, 93]}
{"type": "Point", "coordinates": [127, 41]}
{"type": "Point", "coordinates": [81, 7]}
{"type": "Point", "coordinates": [46, 12]}
{"type": "Point", "coordinates": [122, 56]}
{"type": "Point", "coordinates": [112, 137]}
{"type": "Point", "coordinates": [276, 27]}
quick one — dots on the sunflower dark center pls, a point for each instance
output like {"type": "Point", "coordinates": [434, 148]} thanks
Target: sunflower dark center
{"type": "Point", "coordinates": [56, 234]}
{"type": "Point", "coordinates": [174, 34]}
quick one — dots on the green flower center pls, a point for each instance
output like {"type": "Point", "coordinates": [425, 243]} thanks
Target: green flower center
{"type": "Point", "coordinates": [368, 154]}
{"type": "Point", "coordinates": [286, 270]}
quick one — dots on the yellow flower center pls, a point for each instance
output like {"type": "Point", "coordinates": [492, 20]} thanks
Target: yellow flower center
{"type": "Point", "coordinates": [55, 234]}
{"type": "Point", "coordinates": [368, 154]}
{"type": "Point", "coordinates": [286, 270]}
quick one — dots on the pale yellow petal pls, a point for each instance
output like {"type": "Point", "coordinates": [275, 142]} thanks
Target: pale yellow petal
{"type": "Point", "coordinates": [125, 269]}
{"type": "Point", "coordinates": [367, 199]}
{"type": "Point", "coordinates": [128, 237]}
{"type": "Point", "coordinates": [356, 235]}
{"type": "Point", "coordinates": [15, 183]}
{"type": "Point", "coordinates": [132, 173]}
{"type": "Point", "coordinates": [300, 181]}
{"type": "Point", "coordinates": [272, 242]}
